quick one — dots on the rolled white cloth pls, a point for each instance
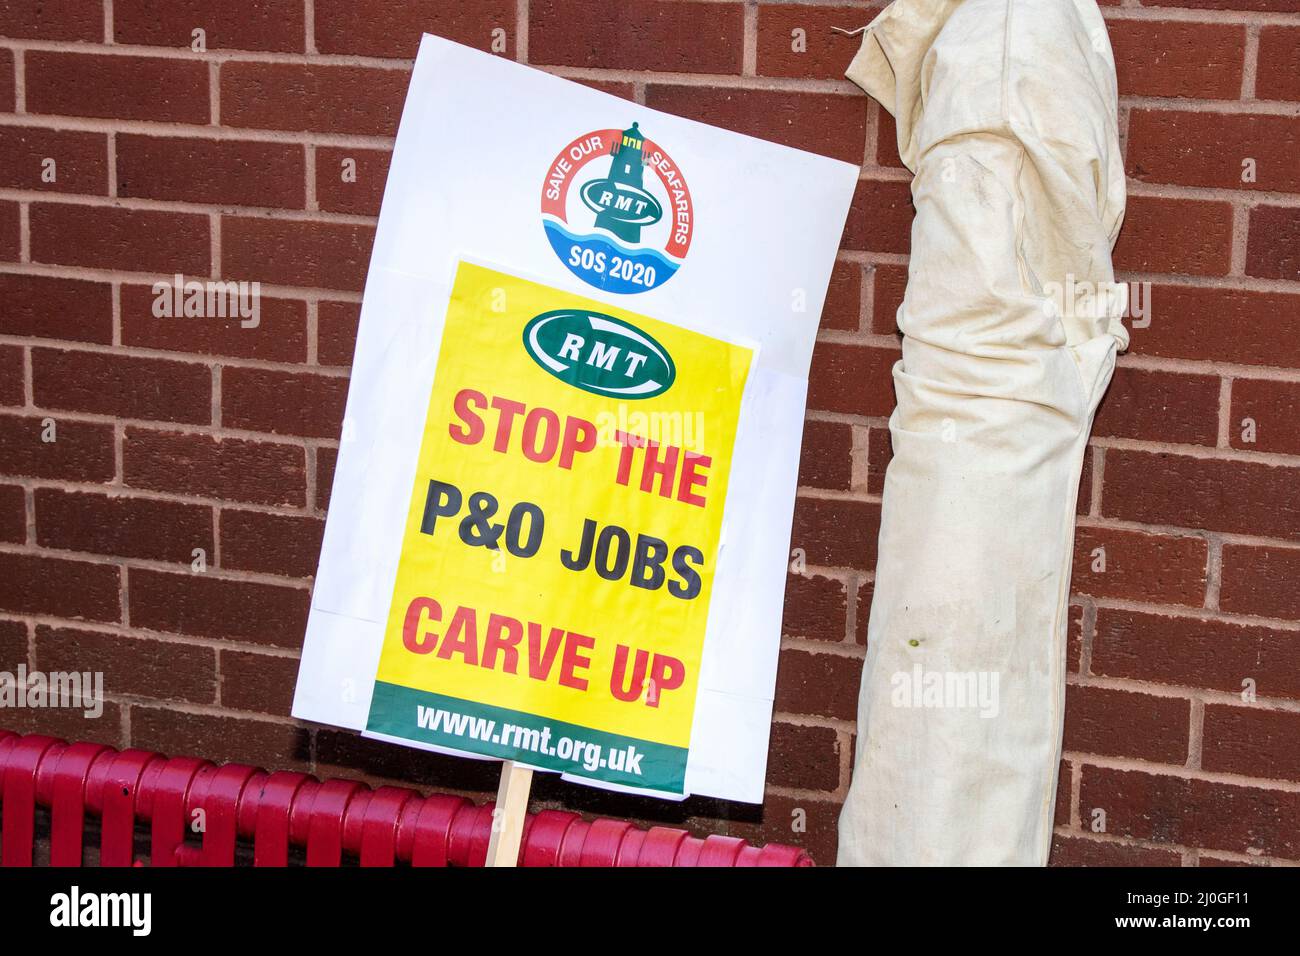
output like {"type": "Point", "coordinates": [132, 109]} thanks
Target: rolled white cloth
{"type": "Point", "coordinates": [1007, 116]}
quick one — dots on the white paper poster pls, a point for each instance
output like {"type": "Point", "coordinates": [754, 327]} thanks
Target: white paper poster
{"type": "Point", "coordinates": [560, 521]}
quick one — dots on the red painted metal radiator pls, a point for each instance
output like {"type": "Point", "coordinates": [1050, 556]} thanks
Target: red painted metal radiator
{"type": "Point", "coordinates": [278, 810]}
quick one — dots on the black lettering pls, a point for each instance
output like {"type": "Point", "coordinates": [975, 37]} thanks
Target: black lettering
{"type": "Point", "coordinates": [648, 567]}
{"type": "Point", "coordinates": [536, 521]}
{"type": "Point", "coordinates": [476, 529]}
{"type": "Point", "coordinates": [442, 501]}
{"type": "Point", "coordinates": [690, 585]}
{"type": "Point", "coordinates": [576, 562]}
{"type": "Point", "coordinates": [622, 551]}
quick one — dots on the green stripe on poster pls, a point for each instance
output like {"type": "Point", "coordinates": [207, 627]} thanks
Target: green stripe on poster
{"type": "Point", "coordinates": [528, 738]}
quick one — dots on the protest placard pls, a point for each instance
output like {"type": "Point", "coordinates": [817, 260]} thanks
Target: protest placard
{"type": "Point", "coordinates": [559, 526]}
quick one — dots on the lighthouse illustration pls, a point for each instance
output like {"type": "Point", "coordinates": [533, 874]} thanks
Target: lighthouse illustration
{"type": "Point", "coordinates": [617, 210]}
{"type": "Point", "coordinates": [620, 201]}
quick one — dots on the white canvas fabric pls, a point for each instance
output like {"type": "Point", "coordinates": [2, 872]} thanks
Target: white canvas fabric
{"type": "Point", "coordinates": [1007, 116]}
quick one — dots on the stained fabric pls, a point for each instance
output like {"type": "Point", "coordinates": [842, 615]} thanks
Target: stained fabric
{"type": "Point", "coordinates": [1006, 114]}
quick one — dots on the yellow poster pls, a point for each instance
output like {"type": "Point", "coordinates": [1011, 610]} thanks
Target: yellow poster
{"type": "Point", "coordinates": [561, 538]}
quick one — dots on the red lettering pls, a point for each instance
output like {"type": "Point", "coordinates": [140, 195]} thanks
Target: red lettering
{"type": "Point", "coordinates": [417, 642]}
{"type": "Point", "coordinates": [508, 408]}
{"type": "Point", "coordinates": [503, 643]}
{"type": "Point", "coordinates": [630, 443]}
{"type": "Point", "coordinates": [659, 467]}
{"type": "Point", "coordinates": [540, 659]}
{"type": "Point", "coordinates": [579, 435]}
{"type": "Point", "coordinates": [623, 688]}
{"type": "Point", "coordinates": [574, 659]}
{"type": "Point", "coordinates": [541, 435]}
{"type": "Point", "coordinates": [462, 637]}
{"type": "Point", "coordinates": [666, 673]}
{"type": "Point", "coordinates": [665, 470]}
{"type": "Point", "coordinates": [551, 438]}
{"type": "Point", "coordinates": [691, 478]}
{"type": "Point", "coordinates": [472, 432]}
{"type": "Point", "coordinates": [503, 636]}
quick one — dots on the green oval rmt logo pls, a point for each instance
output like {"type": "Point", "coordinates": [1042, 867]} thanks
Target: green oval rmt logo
{"type": "Point", "coordinates": [599, 353]}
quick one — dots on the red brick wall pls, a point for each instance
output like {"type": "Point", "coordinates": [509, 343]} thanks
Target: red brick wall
{"type": "Point", "coordinates": [175, 435]}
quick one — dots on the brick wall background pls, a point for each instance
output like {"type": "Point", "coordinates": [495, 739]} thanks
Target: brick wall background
{"type": "Point", "coordinates": [180, 434]}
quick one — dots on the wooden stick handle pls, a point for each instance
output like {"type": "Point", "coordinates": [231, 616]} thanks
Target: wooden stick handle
{"type": "Point", "coordinates": [510, 813]}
